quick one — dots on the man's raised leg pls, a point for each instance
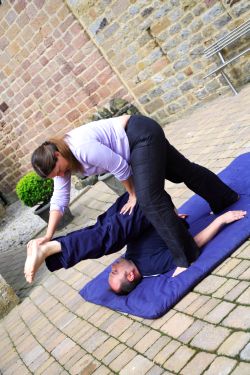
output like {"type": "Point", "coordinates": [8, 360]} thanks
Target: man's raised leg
{"type": "Point", "coordinates": [109, 234]}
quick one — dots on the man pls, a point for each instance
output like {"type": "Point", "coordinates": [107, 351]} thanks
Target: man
{"type": "Point", "coordinates": [146, 253]}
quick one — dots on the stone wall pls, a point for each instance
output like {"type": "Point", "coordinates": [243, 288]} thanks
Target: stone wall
{"type": "Point", "coordinates": [157, 47]}
{"type": "Point", "coordinates": [52, 77]}
{"type": "Point", "coordinates": [60, 59]}
{"type": "Point", "coordinates": [8, 298]}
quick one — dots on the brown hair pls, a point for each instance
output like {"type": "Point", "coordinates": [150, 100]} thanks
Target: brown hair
{"type": "Point", "coordinates": [44, 159]}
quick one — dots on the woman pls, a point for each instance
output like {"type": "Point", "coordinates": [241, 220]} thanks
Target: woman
{"type": "Point", "coordinates": [134, 149]}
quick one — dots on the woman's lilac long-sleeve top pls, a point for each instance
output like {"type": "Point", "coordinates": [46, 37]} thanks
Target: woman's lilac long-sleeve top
{"type": "Point", "coordinates": [100, 146]}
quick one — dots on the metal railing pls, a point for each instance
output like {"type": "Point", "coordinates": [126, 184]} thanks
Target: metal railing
{"type": "Point", "coordinates": [231, 37]}
{"type": "Point", "coordinates": [220, 44]}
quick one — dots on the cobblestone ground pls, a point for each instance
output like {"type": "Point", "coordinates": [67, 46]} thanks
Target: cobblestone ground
{"type": "Point", "coordinates": [54, 331]}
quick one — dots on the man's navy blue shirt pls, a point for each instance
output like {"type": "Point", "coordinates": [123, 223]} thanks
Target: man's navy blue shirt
{"type": "Point", "coordinates": [150, 253]}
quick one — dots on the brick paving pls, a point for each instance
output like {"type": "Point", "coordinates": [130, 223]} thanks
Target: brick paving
{"type": "Point", "coordinates": [54, 331]}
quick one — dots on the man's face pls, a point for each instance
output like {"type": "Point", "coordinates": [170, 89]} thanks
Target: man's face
{"type": "Point", "coordinates": [118, 274]}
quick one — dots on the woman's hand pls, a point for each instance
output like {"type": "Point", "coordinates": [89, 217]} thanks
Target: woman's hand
{"type": "Point", "coordinates": [128, 207]}
{"type": "Point", "coordinates": [40, 240]}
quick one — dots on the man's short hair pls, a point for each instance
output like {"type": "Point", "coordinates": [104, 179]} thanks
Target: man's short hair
{"type": "Point", "coordinates": [127, 286]}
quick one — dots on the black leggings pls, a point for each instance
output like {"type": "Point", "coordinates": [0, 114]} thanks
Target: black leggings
{"type": "Point", "coordinates": [154, 159]}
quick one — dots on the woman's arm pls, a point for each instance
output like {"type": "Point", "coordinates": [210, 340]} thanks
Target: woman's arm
{"type": "Point", "coordinates": [54, 219]}
{"type": "Point", "coordinates": [212, 229]}
{"type": "Point", "coordinates": [58, 203]}
{"type": "Point", "coordinates": [129, 186]}
{"type": "Point", "coordinates": [102, 157]}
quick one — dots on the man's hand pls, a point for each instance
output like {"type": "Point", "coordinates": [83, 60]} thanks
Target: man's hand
{"type": "Point", "coordinates": [183, 216]}
{"type": "Point", "coordinates": [231, 216]}
{"type": "Point", "coordinates": [128, 207]}
{"type": "Point", "coordinates": [213, 228]}
{"type": "Point", "coordinates": [178, 271]}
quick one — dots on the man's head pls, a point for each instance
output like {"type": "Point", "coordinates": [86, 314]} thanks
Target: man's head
{"type": "Point", "coordinates": [124, 276]}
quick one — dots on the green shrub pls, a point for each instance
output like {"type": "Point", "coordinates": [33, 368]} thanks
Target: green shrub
{"type": "Point", "coordinates": [32, 189]}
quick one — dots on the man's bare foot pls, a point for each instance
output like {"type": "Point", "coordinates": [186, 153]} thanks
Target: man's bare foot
{"type": "Point", "coordinates": [178, 271]}
{"type": "Point", "coordinates": [35, 257]}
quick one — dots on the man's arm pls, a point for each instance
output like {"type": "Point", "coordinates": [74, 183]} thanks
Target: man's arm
{"type": "Point", "coordinates": [212, 229]}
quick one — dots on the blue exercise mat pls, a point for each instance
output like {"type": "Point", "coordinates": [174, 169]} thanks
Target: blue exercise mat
{"type": "Point", "coordinates": [154, 296]}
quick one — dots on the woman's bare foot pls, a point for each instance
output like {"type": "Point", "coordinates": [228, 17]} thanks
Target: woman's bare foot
{"type": "Point", "coordinates": [35, 257]}
{"type": "Point", "coordinates": [178, 271]}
